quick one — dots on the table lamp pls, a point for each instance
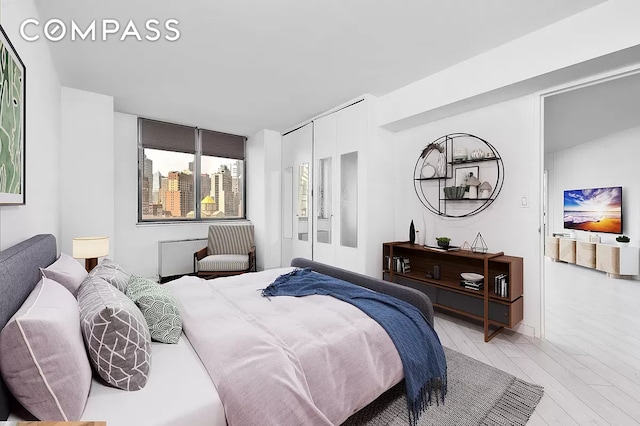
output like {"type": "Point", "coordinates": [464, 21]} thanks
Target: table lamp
{"type": "Point", "coordinates": [90, 249]}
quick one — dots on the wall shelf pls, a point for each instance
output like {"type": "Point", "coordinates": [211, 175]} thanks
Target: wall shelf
{"type": "Point", "coordinates": [439, 155]}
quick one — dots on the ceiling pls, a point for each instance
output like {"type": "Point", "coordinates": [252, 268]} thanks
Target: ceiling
{"type": "Point", "coordinates": [244, 65]}
{"type": "Point", "coordinates": [592, 112]}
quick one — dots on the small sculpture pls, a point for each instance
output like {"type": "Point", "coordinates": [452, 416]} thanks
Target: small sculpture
{"type": "Point", "coordinates": [478, 245]}
{"type": "Point", "coordinates": [485, 190]}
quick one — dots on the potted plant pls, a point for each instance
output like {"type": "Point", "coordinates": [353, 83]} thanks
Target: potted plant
{"type": "Point", "coordinates": [443, 242]}
{"type": "Point", "coordinates": [623, 240]}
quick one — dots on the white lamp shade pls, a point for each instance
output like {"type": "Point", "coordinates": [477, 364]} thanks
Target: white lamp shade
{"type": "Point", "coordinates": [90, 247]}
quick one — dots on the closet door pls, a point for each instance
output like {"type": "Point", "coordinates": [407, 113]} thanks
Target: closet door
{"type": "Point", "coordinates": [325, 191]}
{"type": "Point", "coordinates": [337, 140]}
{"type": "Point", "coordinates": [297, 223]}
{"type": "Point", "coordinates": [351, 131]}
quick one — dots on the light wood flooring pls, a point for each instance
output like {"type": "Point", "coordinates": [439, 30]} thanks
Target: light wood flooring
{"type": "Point", "coordinates": [589, 361]}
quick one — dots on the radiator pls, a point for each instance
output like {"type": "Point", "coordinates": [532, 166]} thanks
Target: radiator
{"type": "Point", "coordinates": [176, 257]}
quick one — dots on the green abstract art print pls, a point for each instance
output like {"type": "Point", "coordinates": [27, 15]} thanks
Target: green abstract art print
{"type": "Point", "coordinates": [12, 129]}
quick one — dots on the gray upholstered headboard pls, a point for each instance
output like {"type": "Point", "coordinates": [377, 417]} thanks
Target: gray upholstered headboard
{"type": "Point", "coordinates": [409, 295]}
{"type": "Point", "coordinates": [19, 274]}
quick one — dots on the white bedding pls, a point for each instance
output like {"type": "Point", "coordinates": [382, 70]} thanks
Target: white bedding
{"type": "Point", "coordinates": [179, 392]}
{"type": "Point", "coordinates": [362, 361]}
{"type": "Point", "coordinates": [285, 360]}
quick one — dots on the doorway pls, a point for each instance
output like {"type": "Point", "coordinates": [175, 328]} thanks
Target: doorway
{"type": "Point", "coordinates": [590, 134]}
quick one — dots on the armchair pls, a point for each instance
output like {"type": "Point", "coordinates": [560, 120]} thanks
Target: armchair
{"type": "Point", "coordinates": [230, 251]}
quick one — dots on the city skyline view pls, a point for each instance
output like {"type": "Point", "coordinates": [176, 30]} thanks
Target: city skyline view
{"type": "Point", "coordinates": [168, 185]}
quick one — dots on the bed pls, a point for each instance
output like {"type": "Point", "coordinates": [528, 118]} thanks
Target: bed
{"type": "Point", "coordinates": [179, 387]}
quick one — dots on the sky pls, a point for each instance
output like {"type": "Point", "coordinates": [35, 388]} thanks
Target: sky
{"type": "Point", "coordinates": [166, 162]}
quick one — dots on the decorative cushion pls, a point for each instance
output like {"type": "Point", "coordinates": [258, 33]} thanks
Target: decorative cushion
{"type": "Point", "coordinates": [224, 262]}
{"type": "Point", "coordinates": [230, 239]}
{"type": "Point", "coordinates": [112, 273]}
{"type": "Point", "coordinates": [66, 271]}
{"type": "Point", "coordinates": [42, 356]}
{"type": "Point", "coordinates": [115, 334]}
{"type": "Point", "coordinates": [159, 308]}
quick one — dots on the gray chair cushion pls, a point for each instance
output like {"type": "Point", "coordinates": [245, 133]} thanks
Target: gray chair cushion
{"type": "Point", "coordinates": [224, 263]}
{"type": "Point", "coordinates": [230, 238]}
{"type": "Point", "coordinates": [115, 334]}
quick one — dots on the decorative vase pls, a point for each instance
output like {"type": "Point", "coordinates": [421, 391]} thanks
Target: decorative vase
{"type": "Point", "coordinates": [622, 244]}
{"type": "Point", "coordinates": [412, 233]}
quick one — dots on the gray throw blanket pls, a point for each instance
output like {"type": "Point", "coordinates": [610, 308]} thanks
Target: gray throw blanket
{"type": "Point", "coordinates": [423, 360]}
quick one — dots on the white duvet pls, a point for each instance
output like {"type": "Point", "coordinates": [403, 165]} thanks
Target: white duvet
{"type": "Point", "coordinates": [312, 360]}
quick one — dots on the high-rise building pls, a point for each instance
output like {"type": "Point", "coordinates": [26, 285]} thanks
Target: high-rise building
{"type": "Point", "coordinates": [164, 183]}
{"type": "Point", "coordinates": [205, 185]}
{"type": "Point", "coordinates": [172, 195]}
{"type": "Point", "coordinates": [155, 188]}
{"type": "Point", "coordinates": [147, 178]}
{"type": "Point", "coordinates": [222, 191]}
{"type": "Point", "coordinates": [187, 200]}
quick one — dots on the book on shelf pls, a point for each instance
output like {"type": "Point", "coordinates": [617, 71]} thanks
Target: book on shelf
{"type": "Point", "coordinates": [397, 264]}
{"type": "Point", "coordinates": [501, 285]}
{"type": "Point", "coordinates": [406, 267]}
{"type": "Point", "coordinates": [438, 248]}
{"type": "Point", "coordinates": [472, 285]}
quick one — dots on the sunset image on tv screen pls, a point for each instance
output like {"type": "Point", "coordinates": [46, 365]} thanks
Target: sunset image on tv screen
{"type": "Point", "coordinates": [595, 209]}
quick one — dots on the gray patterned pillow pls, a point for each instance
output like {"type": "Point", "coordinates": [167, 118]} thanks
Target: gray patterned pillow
{"type": "Point", "coordinates": [159, 308]}
{"type": "Point", "coordinates": [115, 334]}
{"type": "Point", "coordinates": [112, 273]}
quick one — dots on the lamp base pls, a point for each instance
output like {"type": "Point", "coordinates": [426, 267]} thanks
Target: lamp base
{"type": "Point", "coordinates": [91, 263]}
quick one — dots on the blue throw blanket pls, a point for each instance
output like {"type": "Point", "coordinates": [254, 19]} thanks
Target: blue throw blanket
{"type": "Point", "coordinates": [423, 360]}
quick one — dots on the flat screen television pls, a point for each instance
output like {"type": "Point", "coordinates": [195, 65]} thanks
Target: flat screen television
{"type": "Point", "coordinates": [594, 209]}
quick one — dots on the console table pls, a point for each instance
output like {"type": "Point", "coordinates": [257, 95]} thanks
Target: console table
{"type": "Point", "coordinates": [614, 260]}
{"type": "Point", "coordinates": [447, 293]}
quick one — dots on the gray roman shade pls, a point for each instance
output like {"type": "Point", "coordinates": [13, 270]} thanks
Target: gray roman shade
{"type": "Point", "coordinates": [167, 136]}
{"type": "Point", "coordinates": [225, 145]}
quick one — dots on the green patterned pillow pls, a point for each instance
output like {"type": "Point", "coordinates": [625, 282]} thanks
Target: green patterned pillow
{"type": "Point", "coordinates": [159, 308]}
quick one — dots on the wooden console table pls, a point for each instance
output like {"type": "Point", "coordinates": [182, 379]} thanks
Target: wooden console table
{"type": "Point", "coordinates": [447, 292]}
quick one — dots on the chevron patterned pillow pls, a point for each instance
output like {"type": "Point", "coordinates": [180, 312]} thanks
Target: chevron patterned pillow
{"type": "Point", "coordinates": [159, 308]}
{"type": "Point", "coordinates": [115, 334]}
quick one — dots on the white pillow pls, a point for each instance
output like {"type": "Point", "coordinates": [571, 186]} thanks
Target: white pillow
{"type": "Point", "coordinates": [42, 354]}
{"type": "Point", "coordinates": [66, 271]}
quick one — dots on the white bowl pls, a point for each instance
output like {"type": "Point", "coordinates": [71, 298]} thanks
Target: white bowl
{"type": "Point", "coordinates": [472, 276]}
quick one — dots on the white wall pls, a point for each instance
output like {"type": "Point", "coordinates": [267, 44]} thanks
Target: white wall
{"type": "Point", "coordinates": [138, 244]}
{"type": "Point", "coordinates": [608, 161]}
{"type": "Point", "coordinates": [511, 127]}
{"type": "Point", "coordinates": [41, 212]}
{"type": "Point", "coordinates": [86, 168]}
{"type": "Point", "coordinates": [263, 160]}
{"type": "Point", "coordinates": [527, 64]}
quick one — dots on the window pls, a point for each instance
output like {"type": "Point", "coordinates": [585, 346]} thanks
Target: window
{"type": "Point", "coordinates": [187, 173]}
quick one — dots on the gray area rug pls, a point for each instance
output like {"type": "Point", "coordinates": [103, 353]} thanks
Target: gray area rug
{"type": "Point", "coordinates": [478, 394]}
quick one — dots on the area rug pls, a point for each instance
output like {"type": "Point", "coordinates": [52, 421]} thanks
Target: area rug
{"type": "Point", "coordinates": [478, 394]}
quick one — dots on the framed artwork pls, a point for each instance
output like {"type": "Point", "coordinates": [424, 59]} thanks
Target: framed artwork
{"type": "Point", "coordinates": [12, 124]}
{"type": "Point", "coordinates": [464, 173]}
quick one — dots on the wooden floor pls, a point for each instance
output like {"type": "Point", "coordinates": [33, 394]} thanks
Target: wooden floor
{"type": "Point", "coordinates": [589, 362]}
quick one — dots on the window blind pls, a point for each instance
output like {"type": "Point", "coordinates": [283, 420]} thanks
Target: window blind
{"type": "Point", "coordinates": [167, 136]}
{"type": "Point", "coordinates": [225, 145]}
